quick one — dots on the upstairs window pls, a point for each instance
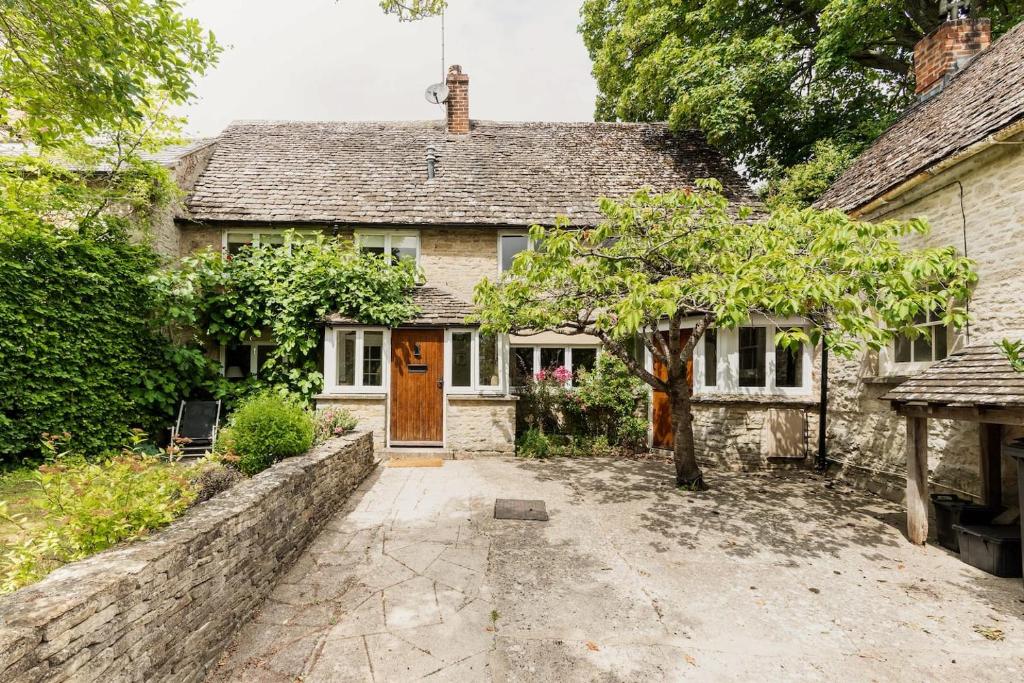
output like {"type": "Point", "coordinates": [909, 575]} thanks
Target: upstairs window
{"type": "Point", "coordinates": [397, 245]}
{"type": "Point", "coordinates": [930, 345]}
{"type": "Point", "coordinates": [235, 240]}
{"type": "Point", "coordinates": [508, 247]}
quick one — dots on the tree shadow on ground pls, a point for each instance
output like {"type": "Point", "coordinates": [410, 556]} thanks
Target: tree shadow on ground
{"type": "Point", "coordinates": [792, 515]}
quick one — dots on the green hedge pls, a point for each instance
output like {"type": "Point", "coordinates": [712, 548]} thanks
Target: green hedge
{"type": "Point", "coordinates": [79, 350]}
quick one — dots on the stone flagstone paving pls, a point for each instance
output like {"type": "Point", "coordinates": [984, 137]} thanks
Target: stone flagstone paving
{"type": "Point", "coordinates": [765, 576]}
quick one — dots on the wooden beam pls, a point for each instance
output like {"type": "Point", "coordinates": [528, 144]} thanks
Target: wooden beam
{"type": "Point", "coordinates": [1001, 416]}
{"type": "Point", "coordinates": [917, 479]}
{"type": "Point", "coordinates": [991, 464]}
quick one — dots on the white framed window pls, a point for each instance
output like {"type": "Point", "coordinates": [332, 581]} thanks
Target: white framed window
{"type": "Point", "coordinates": [399, 244]}
{"type": "Point", "coordinates": [510, 244]}
{"type": "Point", "coordinates": [356, 360]}
{"type": "Point", "coordinates": [239, 361]}
{"type": "Point", "coordinates": [474, 362]}
{"type": "Point", "coordinates": [527, 361]}
{"type": "Point", "coordinates": [746, 361]}
{"type": "Point", "coordinates": [908, 355]}
{"type": "Point", "coordinates": [232, 241]}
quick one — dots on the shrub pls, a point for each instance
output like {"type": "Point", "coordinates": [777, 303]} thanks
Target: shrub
{"type": "Point", "coordinates": [82, 352]}
{"type": "Point", "coordinates": [632, 434]}
{"type": "Point", "coordinates": [608, 396]}
{"type": "Point", "coordinates": [600, 415]}
{"type": "Point", "coordinates": [268, 427]}
{"type": "Point", "coordinates": [92, 505]}
{"type": "Point", "coordinates": [533, 443]}
{"type": "Point", "coordinates": [332, 422]}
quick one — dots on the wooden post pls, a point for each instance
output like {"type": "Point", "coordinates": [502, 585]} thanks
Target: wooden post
{"type": "Point", "coordinates": [917, 479]}
{"type": "Point", "coordinates": [991, 464]}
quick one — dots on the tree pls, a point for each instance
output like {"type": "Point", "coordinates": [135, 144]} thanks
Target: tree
{"type": "Point", "coordinates": [659, 264]}
{"type": "Point", "coordinates": [411, 10]}
{"type": "Point", "coordinates": [765, 79]}
{"type": "Point", "coordinates": [73, 69]}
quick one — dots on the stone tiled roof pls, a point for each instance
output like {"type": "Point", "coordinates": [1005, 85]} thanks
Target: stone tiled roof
{"type": "Point", "coordinates": [499, 174]}
{"type": "Point", "coordinates": [435, 308]}
{"type": "Point", "coordinates": [168, 156]}
{"type": "Point", "coordinates": [979, 375]}
{"type": "Point", "coordinates": [985, 97]}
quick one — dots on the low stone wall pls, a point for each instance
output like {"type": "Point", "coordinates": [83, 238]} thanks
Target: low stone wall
{"type": "Point", "coordinates": [164, 608]}
{"type": "Point", "coordinates": [755, 434]}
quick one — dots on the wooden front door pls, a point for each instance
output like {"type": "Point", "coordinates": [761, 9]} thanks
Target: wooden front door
{"type": "Point", "coordinates": [417, 387]}
{"type": "Point", "coordinates": [661, 418]}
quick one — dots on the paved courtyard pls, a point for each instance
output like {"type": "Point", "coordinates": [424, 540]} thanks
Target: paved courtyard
{"type": "Point", "coordinates": [764, 577]}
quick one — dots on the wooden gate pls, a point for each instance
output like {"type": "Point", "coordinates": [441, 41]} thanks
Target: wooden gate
{"type": "Point", "coordinates": [661, 411]}
{"type": "Point", "coordinates": [417, 387]}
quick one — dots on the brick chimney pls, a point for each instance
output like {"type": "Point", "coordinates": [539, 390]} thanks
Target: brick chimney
{"type": "Point", "coordinates": [948, 49]}
{"type": "Point", "coordinates": [458, 100]}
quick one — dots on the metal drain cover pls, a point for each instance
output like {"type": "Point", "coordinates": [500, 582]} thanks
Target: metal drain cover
{"type": "Point", "coordinates": [511, 508]}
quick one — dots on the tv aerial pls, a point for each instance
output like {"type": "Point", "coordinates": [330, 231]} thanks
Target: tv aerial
{"type": "Point", "coordinates": [438, 92]}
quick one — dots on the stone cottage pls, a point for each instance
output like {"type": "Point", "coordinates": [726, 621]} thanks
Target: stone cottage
{"type": "Point", "coordinates": [955, 158]}
{"type": "Point", "coordinates": [457, 197]}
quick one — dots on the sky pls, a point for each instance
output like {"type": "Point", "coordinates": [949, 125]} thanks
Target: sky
{"type": "Point", "coordinates": [347, 60]}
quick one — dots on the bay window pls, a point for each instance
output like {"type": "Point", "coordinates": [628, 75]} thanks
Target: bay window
{"type": "Point", "coordinates": [746, 361]}
{"type": "Point", "coordinates": [355, 360]}
{"type": "Point", "coordinates": [475, 362]}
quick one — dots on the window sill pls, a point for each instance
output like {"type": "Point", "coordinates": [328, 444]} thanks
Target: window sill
{"type": "Point", "coordinates": [353, 395]}
{"type": "Point", "coordinates": [756, 399]}
{"type": "Point", "coordinates": [886, 380]}
{"type": "Point", "coordinates": [481, 397]}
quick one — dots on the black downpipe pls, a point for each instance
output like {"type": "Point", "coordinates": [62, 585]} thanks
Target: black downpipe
{"type": "Point", "coordinates": [822, 462]}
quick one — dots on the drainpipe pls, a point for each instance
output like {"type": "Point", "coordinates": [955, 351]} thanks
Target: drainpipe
{"type": "Point", "coordinates": [822, 462]}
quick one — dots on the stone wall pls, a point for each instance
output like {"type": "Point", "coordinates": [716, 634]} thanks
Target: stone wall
{"type": "Point", "coordinates": [164, 608]}
{"type": "Point", "coordinates": [369, 410]}
{"type": "Point", "coordinates": [456, 259]}
{"type": "Point", "coordinates": [752, 435]}
{"type": "Point", "coordinates": [481, 425]}
{"type": "Point", "coordinates": [864, 434]}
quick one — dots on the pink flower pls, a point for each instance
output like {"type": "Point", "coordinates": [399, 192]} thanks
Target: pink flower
{"type": "Point", "coordinates": [561, 374]}
{"type": "Point", "coordinates": [541, 376]}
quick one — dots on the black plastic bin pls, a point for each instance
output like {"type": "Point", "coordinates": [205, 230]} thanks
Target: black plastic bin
{"type": "Point", "coordinates": [992, 548]}
{"type": "Point", "coordinates": [951, 510]}
{"type": "Point", "coordinates": [1017, 451]}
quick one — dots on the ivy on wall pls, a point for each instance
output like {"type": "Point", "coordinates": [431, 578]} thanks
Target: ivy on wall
{"type": "Point", "coordinates": [286, 292]}
{"type": "Point", "coordinates": [80, 349]}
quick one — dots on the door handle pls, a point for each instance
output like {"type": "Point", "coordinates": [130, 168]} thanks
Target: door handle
{"type": "Point", "coordinates": [440, 384]}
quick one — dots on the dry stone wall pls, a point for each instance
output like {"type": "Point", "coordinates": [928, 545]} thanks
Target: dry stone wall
{"type": "Point", "coordinates": [165, 608]}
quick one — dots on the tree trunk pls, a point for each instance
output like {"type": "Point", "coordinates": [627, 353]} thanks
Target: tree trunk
{"type": "Point", "coordinates": [688, 472]}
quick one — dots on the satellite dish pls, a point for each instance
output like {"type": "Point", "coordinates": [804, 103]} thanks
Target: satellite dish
{"type": "Point", "coordinates": [437, 93]}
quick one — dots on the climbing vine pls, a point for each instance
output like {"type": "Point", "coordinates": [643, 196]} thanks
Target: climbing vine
{"type": "Point", "coordinates": [285, 292]}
